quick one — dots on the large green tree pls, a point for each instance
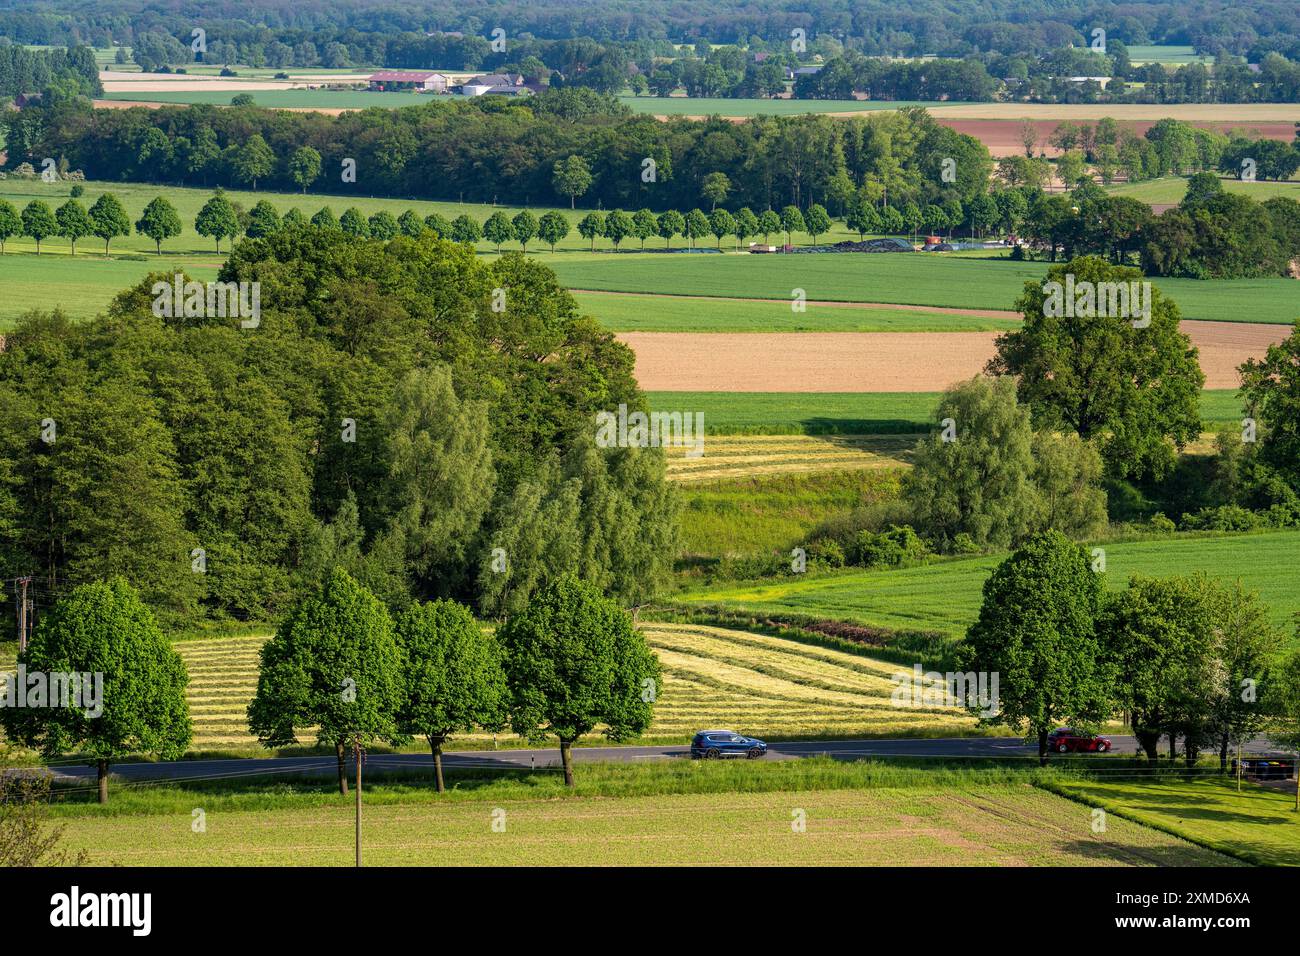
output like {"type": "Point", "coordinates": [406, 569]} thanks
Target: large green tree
{"type": "Point", "coordinates": [573, 661]}
{"type": "Point", "coordinates": [1037, 631]}
{"type": "Point", "coordinates": [1131, 382]}
{"type": "Point", "coordinates": [159, 221]}
{"type": "Point", "coordinates": [104, 631]}
{"type": "Point", "coordinates": [452, 675]}
{"type": "Point", "coordinates": [108, 219]}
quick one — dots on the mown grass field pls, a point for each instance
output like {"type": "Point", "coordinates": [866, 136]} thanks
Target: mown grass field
{"type": "Point", "coordinates": [1258, 824]}
{"type": "Point", "coordinates": [1009, 825]}
{"type": "Point", "coordinates": [283, 99]}
{"type": "Point", "coordinates": [1165, 54]}
{"type": "Point", "coordinates": [945, 596]}
{"type": "Point", "coordinates": [756, 514]}
{"type": "Point", "coordinates": [1171, 189]}
{"type": "Point", "coordinates": [846, 413]}
{"type": "Point", "coordinates": [776, 688]}
{"type": "Point", "coordinates": [647, 313]}
{"type": "Point", "coordinates": [898, 278]}
{"type": "Point", "coordinates": [727, 456]}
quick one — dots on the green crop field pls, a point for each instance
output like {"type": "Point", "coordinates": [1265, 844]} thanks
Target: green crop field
{"type": "Point", "coordinates": [846, 413]}
{"type": "Point", "coordinates": [1165, 54]}
{"type": "Point", "coordinates": [1170, 189]}
{"type": "Point", "coordinates": [760, 513]}
{"type": "Point", "coordinates": [1258, 824]}
{"type": "Point", "coordinates": [285, 98]}
{"type": "Point", "coordinates": [899, 278]}
{"type": "Point", "coordinates": [637, 313]}
{"type": "Point", "coordinates": [721, 106]}
{"type": "Point", "coordinates": [945, 596]}
{"type": "Point", "coordinates": [920, 825]}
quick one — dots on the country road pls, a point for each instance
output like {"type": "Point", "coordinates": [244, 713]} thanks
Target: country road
{"type": "Point", "coordinates": [326, 765]}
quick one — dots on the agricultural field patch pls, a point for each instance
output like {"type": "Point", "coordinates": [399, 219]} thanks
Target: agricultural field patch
{"type": "Point", "coordinates": [1171, 189]}
{"type": "Point", "coordinates": [729, 456]}
{"type": "Point", "coordinates": [735, 107]}
{"type": "Point", "coordinates": [945, 596]}
{"type": "Point", "coordinates": [986, 826]}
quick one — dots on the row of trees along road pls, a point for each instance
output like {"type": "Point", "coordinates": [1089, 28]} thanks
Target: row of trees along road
{"type": "Point", "coordinates": [569, 661]}
{"type": "Point", "coordinates": [1184, 657]}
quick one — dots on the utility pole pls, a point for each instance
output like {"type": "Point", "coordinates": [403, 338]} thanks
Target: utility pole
{"type": "Point", "coordinates": [1239, 766]}
{"type": "Point", "coordinates": [23, 619]}
{"type": "Point", "coordinates": [356, 750]}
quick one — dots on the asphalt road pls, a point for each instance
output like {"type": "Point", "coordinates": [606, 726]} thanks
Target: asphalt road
{"type": "Point", "coordinates": [946, 747]}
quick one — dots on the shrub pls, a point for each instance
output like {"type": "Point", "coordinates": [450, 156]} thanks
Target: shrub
{"type": "Point", "coordinates": [1225, 518]}
{"type": "Point", "coordinates": [826, 552]}
{"type": "Point", "coordinates": [887, 549]}
{"type": "Point", "coordinates": [1161, 524]}
{"type": "Point", "coordinates": [78, 191]}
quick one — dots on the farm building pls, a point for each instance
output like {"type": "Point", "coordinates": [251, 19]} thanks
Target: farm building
{"type": "Point", "coordinates": [496, 83]}
{"type": "Point", "coordinates": [410, 79]}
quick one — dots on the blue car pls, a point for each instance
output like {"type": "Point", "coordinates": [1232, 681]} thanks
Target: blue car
{"type": "Point", "coordinates": [714, 744]}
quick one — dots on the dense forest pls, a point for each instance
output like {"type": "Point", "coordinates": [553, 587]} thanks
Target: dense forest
{"type": "Point", "coordinates": [883, 27]}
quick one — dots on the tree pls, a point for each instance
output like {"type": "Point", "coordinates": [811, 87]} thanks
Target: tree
{"type": "Point", "coordinates": [10, 223]}
{"type": "Point", "coordinates": [440, 226]}
{"type": "Point", "coordinates": [333, 664]}
{"type": "Point", "coordinates": [1067, 475]}
{"type": "Point", "coordinates": [410, 224]}
{"type": "Point", "coordinates": [524, 226]}
{"type": "Point", "coordinates": [452, 676]}
{"type": "Point", "coordinates": [104, 629]}
{"type": "Point", "coordinates": [571, 177]}
{"type": "Point", "coordinates": [791, 222]}
{"type": "Point", "coordinates": [304, 166]}
{"type": "Point", "coordinates": [464, 229]}
{"type": "Point", "coordinates": [73, 222]}
{"type": "Point", "coordinates": [696, 226]}
{"type": "Point", "coordinates": [973, 477]}
{"type": "Point", "coordinates": [816, 222]}
{"type": "Point", "coordinates": [1036, 630]}
{"type": "Point", "coordinates": [324, 218]}
{"type": "Point", "coordinates": [591, 226]}
{"type": "Point", "coordinates": [769, 222]}
{"type": "Point", "coordinates": [861, 216]}
{"type": "Point", "coordinates": [253, 160]}
{"type": "Point", "coordinates": [39, 223]}
{"type": "Point", "coordinates": [1129, 380]}
{"type": "Point", "coordinates": [715, 188]}
{"type": "Point", "coordinates": [159, 221]}
{"type": "Point", "coordinates": [573, 660]}
{"type": "Point", "coordinates": [1285, 729]}
{"type": "Point", "coordinates": [293, 219]}
{"type": "Point", "coordinates": [1245, 648]}
{"type": "Point", "coordinates": [552, 228]}
{"type": "Point", "coordinates": [108, 219]}
{"type": "Point", "coordinates": [914, 218]}
{"type": "Point", "coordinates": [263, 220]}
{"type": "Point", "coordinates": [217, 219]}
{"type": "Point", "coordinates": [353, 223]}
{"type": "Point", "coordinates": [746, 225]}
{"type": "Point", "coordinates": [721, 223]}
{"type": "Point", "coordinates": [1271, 389]}
{"type": "Point", "coordinates": [618, 226]}
{"type": "Point", "coordinates": [644, 225]}
{"type": "Point", "coordinates": [670, 223]}
{"type": "Point", "coordinates": [498, 229]}
{"type": "Point", "coordinates": [382, 225]}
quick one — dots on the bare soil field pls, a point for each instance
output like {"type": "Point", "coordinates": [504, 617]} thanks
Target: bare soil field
{"type": "Point", "coordinates": [876, 361]}
{"type": "Point", "coordinates": [1242, 114]}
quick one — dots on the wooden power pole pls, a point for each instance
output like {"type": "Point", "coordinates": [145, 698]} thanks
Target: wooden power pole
{"type": "Point", "coordinates": [24, 621]}
{"type": "Point", "coordinates": [356, 751]}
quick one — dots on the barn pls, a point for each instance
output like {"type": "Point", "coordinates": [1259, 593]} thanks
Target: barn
{"type": "Point", "coordinates": [422, 80]}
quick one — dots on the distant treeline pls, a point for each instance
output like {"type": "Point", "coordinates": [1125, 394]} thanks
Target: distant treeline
{"type": "Point", "coordinates": [508, 153]}
{"type": "Point", "coordinates": [877, 27]}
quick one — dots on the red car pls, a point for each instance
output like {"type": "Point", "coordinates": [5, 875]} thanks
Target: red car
{"type": "Point", "coordinates": [1066, 740]}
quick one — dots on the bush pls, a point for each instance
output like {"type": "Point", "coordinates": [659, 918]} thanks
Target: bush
{"type": "Point", "coordinates": [1161, 524]}
{"type": "Point", "coordinates": [844, 528]}
{"type": "Point", "coordinates": [1225, 518]}
{"type": "Point", "coordinates": [964, 544]}
{"type": "Point", "coordinates": [78, 191]}
{"type": "Point", "coordinates": [887, 549]}
{"type": "Point", "coordinates": [826, 552]}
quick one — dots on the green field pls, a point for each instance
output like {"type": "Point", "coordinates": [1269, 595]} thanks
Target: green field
{"type": "Point", "coordinates": [286, 98]}
{"type": "Point", "coordinates": [1258, 824]}
{"type": "Point", "coordinates": [1165, 54]}
{"type": "Point", "coordinates": [636, 313]}
{"type": "Point", "coordinates": [945, 596]}
{"type": "Point", "coordinates": [918, 826]}
{"type": "Point", "coordinates": [898, 278]}
{"type": "Point", "coordinates": [722, 106]}
{"type": "Point", "coordinates": [1170, 189]}
{"type": "Point", "coordinates": [814, 413]}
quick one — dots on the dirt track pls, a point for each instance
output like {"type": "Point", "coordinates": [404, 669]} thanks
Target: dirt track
{"type": "Point", "coordinates": [876, 361]}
